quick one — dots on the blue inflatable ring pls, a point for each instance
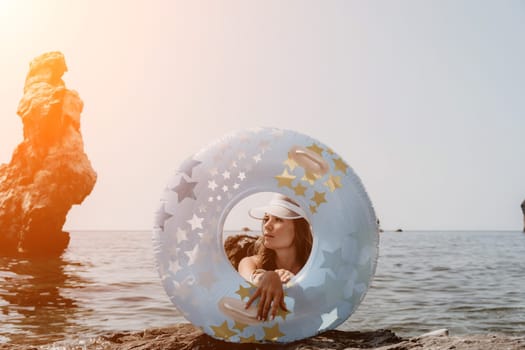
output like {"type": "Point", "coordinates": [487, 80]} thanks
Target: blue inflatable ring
{"type": "Point", "coordinates": [188, 245]}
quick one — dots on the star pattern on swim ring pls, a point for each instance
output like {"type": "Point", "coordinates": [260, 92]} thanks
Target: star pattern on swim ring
{"type": "Point", "coordinates": [181, 235]}
{"type": "Point", "coordinates": [193, 254]}
{"type": "Point", "coordinates": [328, 319]}
{"type": "Point", "coordinates": [244, 292]}
{"type": "Point", "coordinates": [223, 331]}
{"type": "Point", "coordinates": [332, 259]}
{"type": "Point", "coordinates": [212, 185]}
{"type": "Point", "coordinates": [239, 326]}
{"type": "Point", "coordinates": [310, 177]}
{"type": "Point", "coordinates": [195, 222]}
{"type": "Point", "coordinates": [185, 189]}
{"type": "Point", "coordinates": [333, 183]}
{"type": "Point", "coordinates": [319, 198]}
{"type": "Point", "coordinates": [250, 339]}
{"type": "Point", "coordinates": [285, 179]}
{"type": "Point", "coordinates": [309, 182]}
{"type": "Point", "coordinates": [299, 189]}
{"type": "Point", "coordinates": [340, 165]}
{"type": "Point", "coordinates": [272, 333]}
{"type": "Point", "coordinates": [315, 148]}
{"type": "Point", "coordinates": [232, 168]}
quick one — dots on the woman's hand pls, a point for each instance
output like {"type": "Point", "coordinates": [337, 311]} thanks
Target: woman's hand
{"type": "Point", "coordinates": [285, 275]}
{"type": "Point", "coordinates": [271, 295]}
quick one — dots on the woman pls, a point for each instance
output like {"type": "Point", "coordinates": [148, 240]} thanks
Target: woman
{"type": "Point", "coordinates": [285, 248]}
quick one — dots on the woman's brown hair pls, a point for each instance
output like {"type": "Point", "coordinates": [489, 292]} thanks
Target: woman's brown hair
{"type": "Point", "coordinates": [303, 241]}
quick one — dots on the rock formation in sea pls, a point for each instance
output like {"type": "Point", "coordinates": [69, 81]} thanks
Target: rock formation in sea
{"type": "Point", "coordinates": [49, 171]}
{"type": "Point", "coordinates": [523, 211]}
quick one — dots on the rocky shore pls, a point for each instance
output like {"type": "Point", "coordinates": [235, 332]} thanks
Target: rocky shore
{"type": "Point", "coordinates": [186, 337]}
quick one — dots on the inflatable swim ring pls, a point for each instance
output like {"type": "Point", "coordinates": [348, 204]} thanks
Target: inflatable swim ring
{"type": "Point", "coordinates": [187, 236]}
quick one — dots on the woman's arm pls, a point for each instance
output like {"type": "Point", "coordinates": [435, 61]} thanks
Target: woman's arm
{"type": "Point", "coordinates": [270, 288]}
{"type": "Point", "coordinates": [247, 267]}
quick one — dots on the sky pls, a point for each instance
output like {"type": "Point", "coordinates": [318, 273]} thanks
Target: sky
{"type": "Point", "coordinates": [424, 99]}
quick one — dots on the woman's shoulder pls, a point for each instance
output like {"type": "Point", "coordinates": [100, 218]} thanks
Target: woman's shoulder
{"type": "Point", "coordinates": [250, 260]}
{"type": "Point", "coordinates": [247, 265]}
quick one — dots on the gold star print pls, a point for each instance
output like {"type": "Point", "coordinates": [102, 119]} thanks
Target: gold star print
{"type": "Point", "coordinates": [240, 326]}
{"type": "Point", "coordinates": [333, 182]}
{"type": "Point", "coordinates": [330, 151]}
{"type": "Point", "coordinates": [272, 333]}
{"type": "Point", "coordinates": [243, 292]}
{"type": "Point", "coordinates": [285, 179]}
{"type": "Point", "coordinates": [313, 209]}
{"type": "Point", "coordinates": [319, 198]}
{"type": "Point", "coordinates": [282, 313]}
{"type": "Point", "coordinates": [300, 189]}
{"type": "Point", "coordinates": [316, 149]}
{"type": "Point", "coordinates": [310, 177]}
{"type": "Point", "coordinates": [223, 331]}
{"type": "Point", "coordinates": [290, 163]}
{"type": "Point", "coordinates": [250, 339]}
{"type": "Point", "coordinates": [340, 165]}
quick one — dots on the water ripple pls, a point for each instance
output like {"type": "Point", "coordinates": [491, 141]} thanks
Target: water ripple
{"type": "Point", "coordinates": [469, 282]}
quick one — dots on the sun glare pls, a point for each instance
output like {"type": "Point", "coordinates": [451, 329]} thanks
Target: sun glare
{"type": "Point", "coordinates": [7, 7]}
{"type": "Point", "coordinates": [11, 15]}
{"type": "Point", "coordinates": [20, 16]}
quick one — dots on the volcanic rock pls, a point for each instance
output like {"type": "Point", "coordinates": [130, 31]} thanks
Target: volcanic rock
{"type": "Point", "coordinates": [187, 337]}
{"type": "Point", "coordinates": [49, 171]}
{"type": "Point", "coordinates": [523, 211]}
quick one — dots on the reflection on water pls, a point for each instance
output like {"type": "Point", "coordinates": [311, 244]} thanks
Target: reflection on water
{"type": "Point", "coordinates": [35, 307]}
{"type": "Point", "coordinates": [106, 281]}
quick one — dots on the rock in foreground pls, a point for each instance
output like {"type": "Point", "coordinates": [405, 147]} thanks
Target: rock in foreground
{"type": "Point", "coordinates": [49, 171]}
{"type": "Point", "coordinates": [186, 337]}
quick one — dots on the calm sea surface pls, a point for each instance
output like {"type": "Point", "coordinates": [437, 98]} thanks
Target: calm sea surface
{"type": "Point", "coordinates": [468, 282]}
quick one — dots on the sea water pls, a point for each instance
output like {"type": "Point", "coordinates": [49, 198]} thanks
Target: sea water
{"type": "Point", "coordinates": [468, 282]}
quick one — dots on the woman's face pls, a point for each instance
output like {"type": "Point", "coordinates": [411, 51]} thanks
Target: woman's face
{"type": "Point", "coordinates": [278, 233]}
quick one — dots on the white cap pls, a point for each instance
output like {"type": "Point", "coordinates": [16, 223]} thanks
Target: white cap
{"type": "Point", "coordinates": [280, 206]}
